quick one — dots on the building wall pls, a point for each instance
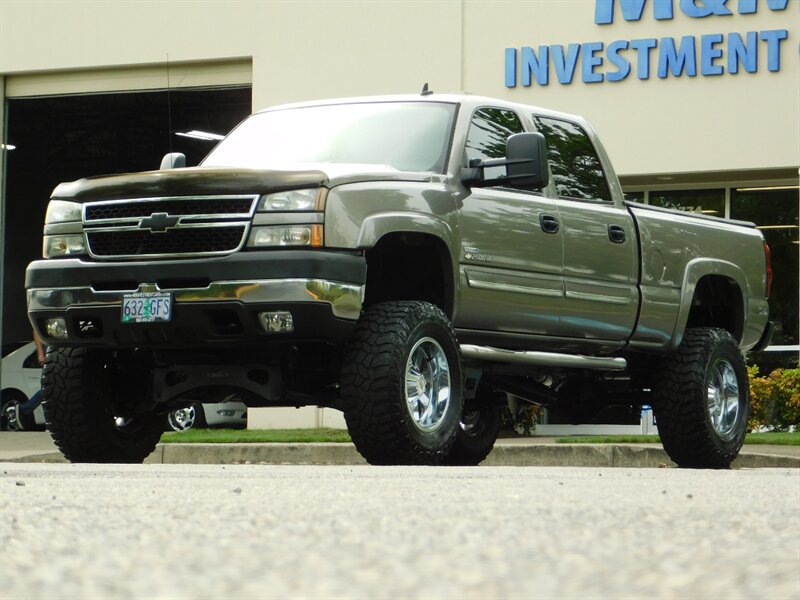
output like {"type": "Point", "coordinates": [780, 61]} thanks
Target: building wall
{"type": "Point", "coordinates": [316, 49]}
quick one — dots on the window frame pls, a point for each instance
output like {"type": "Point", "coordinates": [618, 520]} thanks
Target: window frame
{"type": "Point", "coordinates": [610, 201]}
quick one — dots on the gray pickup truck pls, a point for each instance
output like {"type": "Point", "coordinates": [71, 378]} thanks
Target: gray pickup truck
{"type": "Point", "coordinates": [414, 261]}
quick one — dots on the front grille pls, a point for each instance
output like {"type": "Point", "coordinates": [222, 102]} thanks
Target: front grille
{"type": "Point", "coordinates": [167, 227]}
{"type": "Point", "coordinates": [200, 240]}
{"type": "Point", "coordinates": [176, 207]}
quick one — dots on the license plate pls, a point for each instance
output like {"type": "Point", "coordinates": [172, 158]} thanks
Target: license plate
{"type": "Point", "coordinates": [147, 307]}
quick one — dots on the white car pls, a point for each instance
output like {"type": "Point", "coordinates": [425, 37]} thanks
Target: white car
{"type": "Point", "coordinates": [228, 413]}
{"type": "Point", "coordinates": [21, 379]}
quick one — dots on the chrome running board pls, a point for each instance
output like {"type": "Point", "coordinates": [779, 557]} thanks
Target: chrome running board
{"type": "Point", "coordinates": [544, 359]}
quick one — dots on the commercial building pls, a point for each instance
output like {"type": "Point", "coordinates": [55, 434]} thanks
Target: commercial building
{"type": "Point", "coordinates": [698, 102]}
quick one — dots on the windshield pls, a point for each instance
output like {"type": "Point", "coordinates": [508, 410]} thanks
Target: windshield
{"type": "Point", "coordinates": [408, 136]}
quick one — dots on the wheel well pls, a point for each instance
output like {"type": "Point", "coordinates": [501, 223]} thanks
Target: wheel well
{"type": "Point", "coordinates": [717, 302]}
{"type": "Point", "coordinates": [11, 393]}
{"type": "Point", "coordinates": [410, 266]}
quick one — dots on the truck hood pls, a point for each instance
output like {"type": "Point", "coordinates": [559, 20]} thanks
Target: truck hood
{"type": "Point", "coordinates": [217, 181]}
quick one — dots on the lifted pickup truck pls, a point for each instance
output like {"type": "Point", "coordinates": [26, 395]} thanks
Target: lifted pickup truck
{"type": "Point", "coordinates": [412, 261]}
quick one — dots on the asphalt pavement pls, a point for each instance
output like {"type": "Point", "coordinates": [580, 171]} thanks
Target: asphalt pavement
{"type": "Point", "coordinates": [530, 451]}
{"type": "Point", "coordinates": [198, 532]}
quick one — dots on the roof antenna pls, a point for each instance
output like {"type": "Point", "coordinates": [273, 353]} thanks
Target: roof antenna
{"type": "Point", "coordinates": [425, 91]}
{"type": "Point", "coordinates": [169, 107]}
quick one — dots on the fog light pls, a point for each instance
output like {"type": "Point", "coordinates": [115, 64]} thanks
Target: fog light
{"type": "Point", "coordinates": [56, 328]}
{"type": "Point", "coordinates": [276, 322]}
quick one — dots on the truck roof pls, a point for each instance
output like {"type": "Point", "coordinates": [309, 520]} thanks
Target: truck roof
{"type": "Point", "coordinates": [466, 100]}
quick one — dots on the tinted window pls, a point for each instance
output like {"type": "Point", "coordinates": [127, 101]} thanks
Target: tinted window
{"type": "Point", "coordinates": [487, 135]}
{"type": "Point", "coordinates": [775, 212]}
{"type": "Point", "coordinates": [707, 202]}
{"type": "Point", "coordinates": [574, 164]}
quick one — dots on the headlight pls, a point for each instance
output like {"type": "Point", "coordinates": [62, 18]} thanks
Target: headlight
{"type": "Point", "coordinates": [63, 245]}
{"type": "Point", "coordinates": [61, 211]}
{"type": "Point", "coordinates": [286, 235]}
{"type": "Point", "coordinates": [293, 200]}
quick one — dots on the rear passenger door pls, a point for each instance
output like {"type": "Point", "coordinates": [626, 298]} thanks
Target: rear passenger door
{"type": "Point", "coordinates": [600, 266]}
{"type": "Point", "coordinates": [510, 259]}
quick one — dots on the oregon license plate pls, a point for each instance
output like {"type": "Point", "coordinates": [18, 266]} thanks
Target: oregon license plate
{"type": "Point", "coordinates": [147, 307]}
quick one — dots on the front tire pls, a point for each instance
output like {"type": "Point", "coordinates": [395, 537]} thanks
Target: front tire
{"type": "Point", "coordinates": [702, 400]}
{"type": "Point", "coordinates": [402, 384]}
{"type": "Point", "coordinates": [78, 389]}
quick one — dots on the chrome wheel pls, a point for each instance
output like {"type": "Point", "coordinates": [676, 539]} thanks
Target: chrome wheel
{"type": "Point", "coordinates": [723, 399]}
{"type": "Point", "coordinates": [11, 420]}
{"type": "Point", "coordinates": [427, 384]}
{"type": "Point", "coordinates": [182, 419]}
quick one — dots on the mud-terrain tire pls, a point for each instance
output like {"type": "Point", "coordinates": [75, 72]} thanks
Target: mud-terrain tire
{"type": "Point", "coordinates": [477, 431]}
{"type": "Point", "coordinates": [77, 386]}
{"type": "Point", "coordinates": [701, 400]}
{"type": "Point", "coordinates": [401, 384]}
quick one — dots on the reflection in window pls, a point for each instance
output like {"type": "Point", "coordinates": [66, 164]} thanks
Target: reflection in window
{"type": "Point", "coordinates": [488, 132]}
{"type": "Point", "coordinates": [574, 165]}
{"type": "Point", "coordinates": [635, 197]}
{"type": "Point", "coordinates": [775, 212]}
{"type": "Point", "coordinates": [707, 202]}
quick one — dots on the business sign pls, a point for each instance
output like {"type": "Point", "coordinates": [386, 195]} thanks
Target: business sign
{"type": "Point", "coordinates": [691, 55]}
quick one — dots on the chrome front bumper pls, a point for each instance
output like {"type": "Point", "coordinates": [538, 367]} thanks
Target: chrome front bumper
{"type": "Point", "coordinates": [345, 299]}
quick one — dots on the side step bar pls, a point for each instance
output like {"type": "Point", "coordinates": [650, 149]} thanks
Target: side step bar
{"type": "Point", "coordinates": [544, 359]}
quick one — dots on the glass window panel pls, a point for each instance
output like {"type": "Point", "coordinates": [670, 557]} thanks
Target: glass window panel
{"type": "Point", "coordinates": [707, 202]}
{"type": "Point", "coordinates": [486, 139]}
{"type": "Point", "coordinates": [775, 212]}
{"type": "Point", "coordinates": [574, 163]}
{"type": "Point", "coordinates": [635, 197]}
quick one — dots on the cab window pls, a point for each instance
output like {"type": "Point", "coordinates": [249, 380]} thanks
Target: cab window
{"type": "Point", "coordinates": [487, 135]}
{"type": "Point", "coordinates": [574, 165]}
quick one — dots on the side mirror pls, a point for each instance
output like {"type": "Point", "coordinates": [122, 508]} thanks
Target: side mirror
{"type": "Point", "coordinates": [173, 160]}
{"type": "Point", "coordinates": [525, 162]}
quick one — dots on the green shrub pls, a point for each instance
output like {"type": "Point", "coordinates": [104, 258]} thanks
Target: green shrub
{"type": "Point", "coordinates": [523, 422]}
{"type": "Point", "coordinates": [775, 399]}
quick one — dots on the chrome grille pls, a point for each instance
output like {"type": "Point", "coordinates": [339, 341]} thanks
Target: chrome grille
{"type": "Point", "coordinates": [167, 227]}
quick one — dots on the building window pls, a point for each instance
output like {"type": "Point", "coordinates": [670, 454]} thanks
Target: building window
{"type": "Point", "coordinates": [707, 202]}
{"type": "Point", "coordinates": [775, 212]}
{"type": "Point", "coordinates": [635, 197]}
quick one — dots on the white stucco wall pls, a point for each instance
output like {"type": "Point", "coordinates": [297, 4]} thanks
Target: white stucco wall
{"type": "Point", "coordinates": [316, 49]}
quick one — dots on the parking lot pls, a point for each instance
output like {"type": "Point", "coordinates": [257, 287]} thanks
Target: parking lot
{"type": "Point", "coordinates": [261, 531]}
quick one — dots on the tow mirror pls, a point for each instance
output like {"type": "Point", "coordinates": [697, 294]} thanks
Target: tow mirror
{"type": "Point", "coordinates": [173, 160]}
{"type": "Point", "coordinates": [525, 163]}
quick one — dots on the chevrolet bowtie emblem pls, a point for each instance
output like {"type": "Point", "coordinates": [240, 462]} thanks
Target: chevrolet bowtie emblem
{"type": "Point", "coordinates": [158, 222]}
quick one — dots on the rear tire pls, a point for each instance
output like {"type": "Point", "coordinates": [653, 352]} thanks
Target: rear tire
{"type": "Point", "coordinates": [477, 431]}
{"type": "Point", "coordinates": [701, 400]}
{"type": "Point", "coordinates": [78, 388]}
{"type": "Point", "coordinates": [402, 384]}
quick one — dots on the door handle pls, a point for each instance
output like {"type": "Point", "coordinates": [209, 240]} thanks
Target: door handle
{"type": "Point", "coordinates": [616, 234]}
{"type": "Point", "coordinates": [549, 223]}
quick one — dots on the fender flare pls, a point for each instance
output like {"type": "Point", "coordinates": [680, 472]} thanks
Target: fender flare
{"type": "Point", "coordinates": [374, 227]}
{"type": "Point", "coordinates": [695, 270]}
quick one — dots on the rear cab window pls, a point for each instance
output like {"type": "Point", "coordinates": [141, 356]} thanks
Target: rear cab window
{"type": "Point", "coordinates": [575, 168]}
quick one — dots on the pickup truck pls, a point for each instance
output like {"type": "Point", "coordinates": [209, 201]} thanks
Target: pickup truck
{"type": "Point", "coordinates": [414, 261]}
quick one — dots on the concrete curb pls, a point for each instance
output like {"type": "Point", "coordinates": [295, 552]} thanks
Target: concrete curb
{"type": "Point", "coordinates": [542, 455]}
